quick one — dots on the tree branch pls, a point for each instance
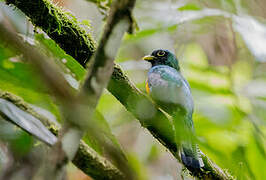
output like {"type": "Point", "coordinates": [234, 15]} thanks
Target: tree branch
{"type": "Point", "coordinates": [62, 27]}
{"type": "Point", "coordinates": [86, 159]}
{"type": "Point", "coordinates": [118, 22]}
{"type": "Point", "coordinates": [134, 101]}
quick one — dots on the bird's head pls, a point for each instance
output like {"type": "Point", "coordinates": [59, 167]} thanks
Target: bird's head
{"type": "Point", "coordinates": [162, 57]}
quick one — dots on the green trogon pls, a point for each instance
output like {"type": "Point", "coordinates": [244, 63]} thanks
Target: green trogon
{"type": "Point", "coordinates": [171, 92]}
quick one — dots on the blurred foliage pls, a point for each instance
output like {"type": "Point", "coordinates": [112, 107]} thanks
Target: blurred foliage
{"type": "Point", "coordinates": [74, 74]}
{"type": "Point", "coordinates": [20, 79]}
{"type": "Point", "coordinates": [19, 141]}
{"type": "Point", "coordinates": [220, 46]}
{"type": "Point", "coordinates": [66, 62]}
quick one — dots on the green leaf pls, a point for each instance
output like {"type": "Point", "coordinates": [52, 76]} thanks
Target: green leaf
{"type": "Point", "coordinates": [68, 64]}
{"type": "Point", "coordinates": [137, 166]}
{"type": "Point", "coordinates": [190, 7]}
{"type": "Point", "coordinates": [153, 154]}
{"type": "Point", "coordinates": [19, 141]}
{"type": "Point", "coordinates": [148, 32]}
{"type": "Point", "coordinates": [256, 159]}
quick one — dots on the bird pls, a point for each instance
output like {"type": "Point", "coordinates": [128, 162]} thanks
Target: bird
{"type": "Point", "coordinates": [171, 92]}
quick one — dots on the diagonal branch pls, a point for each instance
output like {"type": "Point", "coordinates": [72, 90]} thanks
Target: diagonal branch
{"type": "Point", "coordinates": [118, 22]}
{"type": "Point", "coordinates": [62, 27]}
{"type": "Point", "coordinates": [134, 101]}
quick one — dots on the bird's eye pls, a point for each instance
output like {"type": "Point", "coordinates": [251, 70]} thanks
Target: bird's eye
{"type": "Point", "coordinates": [160, 53]}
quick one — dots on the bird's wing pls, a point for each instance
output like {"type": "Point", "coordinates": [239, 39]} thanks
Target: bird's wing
{"type": "Point", "coordinates": [171, 92]}
{"type": "Point", "coordinates": [168, 87]}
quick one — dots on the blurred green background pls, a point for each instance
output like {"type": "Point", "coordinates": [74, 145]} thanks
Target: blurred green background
{"type": "Point", "coordinates": [221, 46]}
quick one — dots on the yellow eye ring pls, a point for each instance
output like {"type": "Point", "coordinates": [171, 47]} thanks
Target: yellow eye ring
{"type": "Point", "coordinates": [161, 53]}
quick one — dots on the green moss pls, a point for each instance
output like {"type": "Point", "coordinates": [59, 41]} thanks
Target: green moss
{"type": "Point", "coordinates": [53, 129]}
{"type": "Point", "coordinates": [100, 168]}
{"type": "Point", "coordinates": [24, 106]}
{"type": "Point", "coordinates": [212, 171]}
{"type": "Point", "coordinates": [60, 26]}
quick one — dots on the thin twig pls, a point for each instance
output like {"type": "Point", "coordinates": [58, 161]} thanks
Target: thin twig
{"type": "Point", "coordinates": [118, 22]}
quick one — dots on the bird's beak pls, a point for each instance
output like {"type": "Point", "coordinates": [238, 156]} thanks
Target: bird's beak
{"type": "Point", "coordinates": [149, 58]}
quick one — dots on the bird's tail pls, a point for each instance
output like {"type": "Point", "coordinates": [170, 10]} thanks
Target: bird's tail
{"type": "Point", "coordinates": [185, 139]}
{"type": "Point", "coordinates": [190, 158]}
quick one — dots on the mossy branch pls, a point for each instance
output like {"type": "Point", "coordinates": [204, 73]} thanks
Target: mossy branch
{"type": "Point", "coordinates": [60, 26]}
{"type": "Point", "coordinates": [120, 86]}
{"type": "Point", "coordinates": [86, 159]}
